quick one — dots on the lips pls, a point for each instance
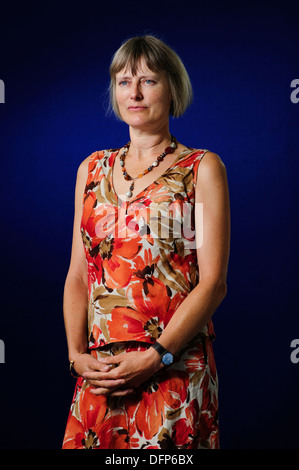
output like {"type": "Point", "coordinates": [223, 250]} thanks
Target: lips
{"type": "Point", "coordinates": [136, 108]}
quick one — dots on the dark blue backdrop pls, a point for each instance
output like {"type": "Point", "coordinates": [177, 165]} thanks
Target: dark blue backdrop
{"type": "Point", "coordinates": [241, 59]}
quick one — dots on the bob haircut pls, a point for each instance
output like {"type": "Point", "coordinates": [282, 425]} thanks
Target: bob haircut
{"type": "Point", "coordinates": [158, 56]}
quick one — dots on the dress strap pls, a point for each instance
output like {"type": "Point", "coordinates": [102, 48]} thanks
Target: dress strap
{"type": "Point", "coordinates": [197, 161]}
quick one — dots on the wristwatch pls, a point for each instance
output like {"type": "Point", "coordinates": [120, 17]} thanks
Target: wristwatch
{"type": "Point", "coordinates": [166, 356]}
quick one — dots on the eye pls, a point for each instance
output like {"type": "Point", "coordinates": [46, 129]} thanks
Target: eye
{"type": "Point", "coordinates": [123, 82]}
{"type": "Point", "coordinates": [150, 82]}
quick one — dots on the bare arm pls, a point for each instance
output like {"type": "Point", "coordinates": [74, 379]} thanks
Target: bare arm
{"type": "Point", "coordinates": [212, 254]}
{"type": "Point", "coordinates": [199, 306]}
{"type": "Point", "coordinates": [76, 288]}
{"type": "Point", "coordinates": [75, 299]}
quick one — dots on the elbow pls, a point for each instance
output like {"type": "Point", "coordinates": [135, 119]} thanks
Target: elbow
{"type": "Point", "coordinates": [223, 290]}
{"type": "Point", "coordinates": [76, 279]}
{"type": "Point", "coordinates": [219, 289]}
{"type": "Point", "coordinates": [216, 286]}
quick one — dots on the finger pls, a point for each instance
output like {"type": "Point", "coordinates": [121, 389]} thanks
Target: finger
{"type": "Point", "coordinates": [105, 391]}
{"type": "Point", "coordinates": [100, 376]}
{"type": "Point", "coordinates": [102, 367]}
{"type": "Point", "coordinates": [106, 383]}
{"type": "Point", "coordinates": [98, 365]}
{"type": "Point", "coordinates": [121, 393]}
{"type": "Point", "coordinates": [100, 391]}
{"type": "Point", "coordinates": [111, 359]}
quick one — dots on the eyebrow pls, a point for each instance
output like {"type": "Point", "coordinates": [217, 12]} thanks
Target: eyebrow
{"type": "Point", "coordinates": [126, 77]}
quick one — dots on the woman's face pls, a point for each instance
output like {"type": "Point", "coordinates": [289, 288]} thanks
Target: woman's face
{"type": "Point", "coordinates": [144, 99]}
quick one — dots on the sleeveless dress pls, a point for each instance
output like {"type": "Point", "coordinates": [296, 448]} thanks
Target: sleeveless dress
{"type": "Point", "coordinates": [142, 264]}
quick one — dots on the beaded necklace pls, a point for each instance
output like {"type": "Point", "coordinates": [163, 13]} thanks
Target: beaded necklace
{"type": "Point", "coordinates": [159, 159]}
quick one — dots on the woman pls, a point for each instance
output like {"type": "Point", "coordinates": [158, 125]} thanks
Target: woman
{"type": "Point", "coordinates": [142, 287]}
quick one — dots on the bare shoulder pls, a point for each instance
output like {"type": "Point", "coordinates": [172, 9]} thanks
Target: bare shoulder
{"type": "Point", "coordinates": [211, 161]}
{"type": "Point", "coordinates": [211, 168]}
{"type": "Point", "coordinates": [83, 167]}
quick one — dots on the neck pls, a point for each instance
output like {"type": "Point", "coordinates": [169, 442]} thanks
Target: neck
{"type": "Point", "coordinates": [144, 145]}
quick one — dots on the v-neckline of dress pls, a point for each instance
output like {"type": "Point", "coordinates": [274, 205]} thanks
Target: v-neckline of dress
{"type": "Point", "coordinates": [128, 201]}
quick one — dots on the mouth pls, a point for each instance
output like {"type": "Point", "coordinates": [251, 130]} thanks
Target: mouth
{"type": "Point", "coordinates": [137, 108]}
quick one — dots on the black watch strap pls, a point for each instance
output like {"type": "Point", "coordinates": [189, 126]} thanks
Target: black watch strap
{"type": "Point", "coordinates": [159, 348]}
{"type": "Point", "coordinates": [166, 356]}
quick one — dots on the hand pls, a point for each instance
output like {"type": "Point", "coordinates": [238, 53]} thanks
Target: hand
{"type": "Point", "coordinates": [85, 362]}
{"type": "Point", "coordinates": [132, 369]}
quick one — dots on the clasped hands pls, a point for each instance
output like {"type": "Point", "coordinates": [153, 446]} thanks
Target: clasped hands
{"type": "Point", "coordinates": [118, 375]}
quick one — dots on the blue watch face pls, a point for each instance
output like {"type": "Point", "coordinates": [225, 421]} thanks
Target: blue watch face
{"type": "Point", "coordinates": [167, 359]}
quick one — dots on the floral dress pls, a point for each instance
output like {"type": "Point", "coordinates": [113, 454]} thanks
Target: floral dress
{"type": "Point", "coordinates": [142, 263]}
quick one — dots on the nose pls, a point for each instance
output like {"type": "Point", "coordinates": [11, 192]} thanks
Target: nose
{"type": "Point", "coordinates": [136, 92]}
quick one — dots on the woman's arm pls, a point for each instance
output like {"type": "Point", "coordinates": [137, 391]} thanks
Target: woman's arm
{"type": "Point", "coordinates": [213, 245]}
{"type": "Point", "coordinates": [75, 299]}
{"type": "Point", "coordinates": [75, 296]}
{"type": "Point", "coordinates": [198, 307]}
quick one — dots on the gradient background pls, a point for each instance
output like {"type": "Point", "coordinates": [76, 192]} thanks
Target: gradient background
{"type": "Point", "coordinates": [241, 59]}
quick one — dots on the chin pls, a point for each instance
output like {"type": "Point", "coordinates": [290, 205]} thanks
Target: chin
{"type": "Point", "coordinates": [137, 122]}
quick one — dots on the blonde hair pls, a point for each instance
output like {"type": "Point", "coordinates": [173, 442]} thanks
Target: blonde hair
{"type": "Point", "coordinates": [158, 57]}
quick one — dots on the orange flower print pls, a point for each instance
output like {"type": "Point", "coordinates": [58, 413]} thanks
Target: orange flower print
{"type": "Point", "coordinates": [96, 429]}
{"type": "Point", "coordinates": [185, 430]}
{"type": "Point", "coordinates": [88, 408]}
{"type": "Point", "coordinates": [150, 309]}
{"type": "Point", "coordinates": [141, 267]}
{"type": "Point", "coordinates": [116, 263]}
{"type": "Point", "coordinates": [158, 397]}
